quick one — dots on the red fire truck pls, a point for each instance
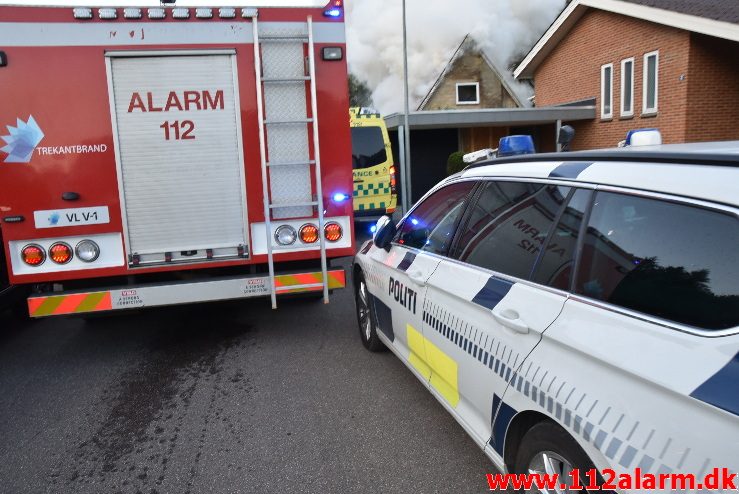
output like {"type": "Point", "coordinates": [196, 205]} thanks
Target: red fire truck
{"type": "Point", "coordinates": [170, 155]}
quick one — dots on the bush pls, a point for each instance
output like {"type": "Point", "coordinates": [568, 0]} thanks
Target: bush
{"type": "Point", "coordinates": [455, 163]}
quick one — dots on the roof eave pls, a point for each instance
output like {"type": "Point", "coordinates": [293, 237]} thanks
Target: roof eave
{"type": "Point", "coordinates": [567, 19]}
{"type": "Point", "coordinates": [493, 117]}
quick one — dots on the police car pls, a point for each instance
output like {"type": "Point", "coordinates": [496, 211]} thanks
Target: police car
{"type": "Point", "coordinates": [572, 310]}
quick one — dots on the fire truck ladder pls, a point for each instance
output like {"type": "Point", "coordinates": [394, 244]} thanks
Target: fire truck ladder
{"type": "Point", "coordinates": [285, 117]}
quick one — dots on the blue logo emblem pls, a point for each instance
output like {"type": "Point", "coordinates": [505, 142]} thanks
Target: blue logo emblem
{"type": "Point", "coordinates": [54, 218]}
{"type": "Point", "coordinates": [22, 140]}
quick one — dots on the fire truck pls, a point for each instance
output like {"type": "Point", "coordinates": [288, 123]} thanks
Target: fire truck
{"type": "Point", "coordinates": [171, 155]}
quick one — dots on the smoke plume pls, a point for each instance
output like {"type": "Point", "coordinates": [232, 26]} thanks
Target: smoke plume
{"type": "Point", "coordinates": [506, 29]}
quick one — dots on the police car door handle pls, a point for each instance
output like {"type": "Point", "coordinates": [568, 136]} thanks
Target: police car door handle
{"type": "Point", "coordinates": [417, 277]}
{"type": "Point", "coordinates": [510, 319]}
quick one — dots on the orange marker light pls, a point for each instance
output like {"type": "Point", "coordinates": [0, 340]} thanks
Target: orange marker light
{"type": "Point", "coordinates": [60, 253]}
{"type": "Point", "coordinates": [333, 232]}
{"type": "Point", "coordinates": [33, 255]}
{"type": "Point", "coordinates": [309, 234]}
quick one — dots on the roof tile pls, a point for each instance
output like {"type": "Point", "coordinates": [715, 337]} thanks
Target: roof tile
{"type": "Point", "coordinates": [719, 10]}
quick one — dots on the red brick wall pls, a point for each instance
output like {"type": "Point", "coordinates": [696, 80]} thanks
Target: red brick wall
{"type": "Point", "coordinates": [713, 90]}
{"type": "Point", "coordinates": [572, 72]}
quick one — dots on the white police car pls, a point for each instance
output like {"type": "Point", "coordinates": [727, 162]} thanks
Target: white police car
{"type": "Point", "coordinates": [573, 310]}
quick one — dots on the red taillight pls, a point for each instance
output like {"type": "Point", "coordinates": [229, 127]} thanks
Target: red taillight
{"type": "Point", "coordinates": [333, 232]}
{"type": "Point", "coordinates": [309, 234]}
{"type": "Point", "coordinates": [33, 255]}
{"type": "Point", "coordinates": [393, 181]}
{"type": "Point", "coordinates": [60, 253]}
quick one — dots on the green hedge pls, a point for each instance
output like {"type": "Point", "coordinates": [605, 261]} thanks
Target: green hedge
{"type": "Point", "coordinates": [455, 163]}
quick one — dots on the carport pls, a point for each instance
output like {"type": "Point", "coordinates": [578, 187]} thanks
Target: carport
{"type": "Point", "coordinates": [434, 135]}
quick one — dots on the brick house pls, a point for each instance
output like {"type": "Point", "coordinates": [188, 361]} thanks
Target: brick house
{"type": "Point", "coordinates": [668, 64]}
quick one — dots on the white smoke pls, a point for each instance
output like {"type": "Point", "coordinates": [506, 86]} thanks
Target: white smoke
{"type": "Point", "coordinates": [504, 28]}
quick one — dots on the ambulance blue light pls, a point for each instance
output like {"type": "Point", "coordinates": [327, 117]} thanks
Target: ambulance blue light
{"type": "Point", "coordinates": [340, 197]}
{"type": "Point", "coordinates": [373, 228]}
{"type": "Point", "coordinates": [414, 221]}
{"type": "Point", "coordinates": [515, 145]}
{"type": "Point", "coordinates": [333, 12]}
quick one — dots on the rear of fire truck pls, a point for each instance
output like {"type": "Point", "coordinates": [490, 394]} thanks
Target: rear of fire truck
{"type": "Point", "coordinates": [170, 155]}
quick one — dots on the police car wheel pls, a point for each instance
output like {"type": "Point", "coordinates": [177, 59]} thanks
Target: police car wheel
{"type": "Point", "coordinates": [367, 327]}
{"type": "Point", "coordinates": [548, 449]}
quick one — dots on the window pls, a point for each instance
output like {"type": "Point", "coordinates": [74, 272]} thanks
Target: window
{"type": "Point", "coordinates": [627, 87]}
{"type": "Point", "coordinates": [606, 91]}
{"type": "Point", "coordinates": [508, 225]}
{"type": "Point", "coordinates": [431, 225]}
{"type": "Point", "coordinates": [651, 82]}
{"type": "Point", "coordinates": [468, 93]}
{"type": "Point", "coordinates": [368, 147]}
{"type": "Point", "coordinates": [668, 260]}
{"type": "Point", "coordinates": [556, 264]}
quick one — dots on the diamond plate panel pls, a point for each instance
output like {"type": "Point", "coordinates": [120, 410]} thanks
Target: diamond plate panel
{"type": "Point", "coordinates": [285, 101]}
{"type": "Point", "coordinates": [291, 184]}
{"type": "Point", "coordinates": [290, 29]}
{"type": "Point", "coordinates": [283, 60]}
{"type": "Point", "coordinates": [287, 143]}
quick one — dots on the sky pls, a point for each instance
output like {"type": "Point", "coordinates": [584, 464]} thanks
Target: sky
{"type": "Point", "coordinates": [506, 29]}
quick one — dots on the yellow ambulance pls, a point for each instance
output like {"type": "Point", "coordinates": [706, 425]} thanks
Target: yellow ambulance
{"type": "Point", "coordinates": [372, 159]}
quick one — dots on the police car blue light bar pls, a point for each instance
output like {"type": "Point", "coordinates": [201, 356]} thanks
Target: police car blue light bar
{"type": "Point", "coordinates": [643, 137]}
{"type": "Point", "coordinates": [516, 145]}
{"type": "Point", "coordinates": [483, 154]}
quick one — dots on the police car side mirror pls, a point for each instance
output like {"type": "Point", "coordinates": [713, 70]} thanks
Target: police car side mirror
{"type": "Point", "coordinates": [385, 233]}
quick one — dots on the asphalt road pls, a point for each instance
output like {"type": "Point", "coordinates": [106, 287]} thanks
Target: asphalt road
{"type": "Point", "coordinates": [228, 397]}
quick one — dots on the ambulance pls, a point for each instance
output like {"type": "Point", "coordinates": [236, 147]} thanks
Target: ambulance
{"type": "Point", "coordinates": [372, 160]}
{"type": "Point", "coordinates": [171, 155]}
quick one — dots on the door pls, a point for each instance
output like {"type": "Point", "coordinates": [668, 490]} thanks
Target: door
{"type": "Point", "coordinates": [479, 310]}
{"type": "Point", "coordinates": [180, 163]}
{"type": "Point", "coordinates": [643, 363]}
{"type": "Point", "coordinates": [397, 278]}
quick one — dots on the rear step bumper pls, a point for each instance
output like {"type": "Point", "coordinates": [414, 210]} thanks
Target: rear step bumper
{"type": "Point", "coordinates": [158, 295]}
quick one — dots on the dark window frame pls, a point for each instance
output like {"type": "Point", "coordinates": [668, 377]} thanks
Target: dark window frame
{"type": "Point", "coordinates": [579, 241]}
{"type": "Point", "coordinates": [593, 189]}
{"type": "Point", "coordinates": [633, 313]}
{"type": "Point", "coordinates": [465, 208]}
{"type": "Point", "coordinates": [453, 251]}
{"type": "Point", "coordinates": [381, 155]}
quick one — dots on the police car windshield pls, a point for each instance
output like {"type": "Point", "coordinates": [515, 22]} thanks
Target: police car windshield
{"type": "Point", "coordinates": [368, 147]}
